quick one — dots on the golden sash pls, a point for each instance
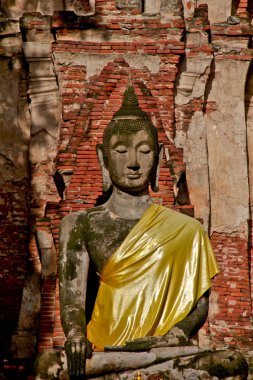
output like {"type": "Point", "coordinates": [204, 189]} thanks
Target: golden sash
{"type": "Point", "coordinates": [153, 280]}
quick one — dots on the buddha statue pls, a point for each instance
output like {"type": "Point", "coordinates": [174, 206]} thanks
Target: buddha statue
{"type": "Point", "coordinates": [134, 276]}
{"type": "Point", "coordinates": [153, 274]}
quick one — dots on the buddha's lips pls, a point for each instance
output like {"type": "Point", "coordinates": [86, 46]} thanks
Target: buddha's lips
{"type": "Point", "coordinates": [133, 175]}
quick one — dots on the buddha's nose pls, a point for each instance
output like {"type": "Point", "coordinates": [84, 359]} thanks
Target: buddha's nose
{"type": "Point", "coordinates": [133, 162]}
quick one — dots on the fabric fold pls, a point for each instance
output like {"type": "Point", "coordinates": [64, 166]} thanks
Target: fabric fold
{"type": "Point", "coordinates": [153, 280]}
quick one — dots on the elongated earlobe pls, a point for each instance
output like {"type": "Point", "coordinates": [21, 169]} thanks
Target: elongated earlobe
{"type": "Point", "coordinates": [105, 173]}
{"type": "Point", "coordinates": [155, 177]}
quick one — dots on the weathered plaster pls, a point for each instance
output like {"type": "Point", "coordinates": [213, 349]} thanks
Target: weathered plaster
{"type": "Point", "coordinates": [189, 7]}
{"type": "Point", "coordinates": [195, 156]}
{"type": "Point", "coordinates": [169, 9]}
{"type": "Point", "coordinates": [227, 151]}
{"type": "Point", "coordinates": [218, 11]}
{"type": "Point", "coordinates": [193, 79]}
{"type": "Point", "coordinates": [14, 120]}
{"type": "Point", "coordinates": [47, 253]}
{"type": "Point", "coordinates": [152, 6]}
{"type": "Point", "coordinates": [192, 85]}
{"type": "Point", "coordinates": [15, 9]}
{"type": "Point", "coordinates": [44, 107]}
{"type": "Point", "coordinates": [95, 63]}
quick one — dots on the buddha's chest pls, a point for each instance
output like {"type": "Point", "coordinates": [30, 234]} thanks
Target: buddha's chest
{"type": "Point", "coordinates": [104, 235]}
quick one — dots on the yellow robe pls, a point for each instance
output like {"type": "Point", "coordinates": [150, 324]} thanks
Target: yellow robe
{"type": "Point", "coordinates": [153, 280]}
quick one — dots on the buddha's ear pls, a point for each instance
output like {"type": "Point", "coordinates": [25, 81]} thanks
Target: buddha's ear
{"type": "Point", "coordinates": [107, 183]}
{"type": "Point", "coordinates": [155, 176]}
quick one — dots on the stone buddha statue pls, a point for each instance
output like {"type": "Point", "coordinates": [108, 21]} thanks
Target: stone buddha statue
{"type": "Point", "coordinates": [134, 276]}
{"type": "Point", "coordinates": [154, 265]}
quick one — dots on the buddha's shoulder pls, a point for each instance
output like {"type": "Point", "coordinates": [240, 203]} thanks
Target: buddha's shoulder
{"type": "Point", "coordinates": [181, 220]}
{"type": "Point", "coordinates": [81, 218]}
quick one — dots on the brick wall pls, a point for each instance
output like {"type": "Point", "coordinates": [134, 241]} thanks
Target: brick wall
{"type": "Point", "coordinates": [230, 321]}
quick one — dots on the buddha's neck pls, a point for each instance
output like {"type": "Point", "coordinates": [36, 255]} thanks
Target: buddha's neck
{"type": "Point", "coordinates": [128, 206]}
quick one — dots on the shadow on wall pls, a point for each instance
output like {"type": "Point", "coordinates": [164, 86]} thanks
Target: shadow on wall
{"type": "Point", "coordinates": [16, 8]}
{"type": "Point", "coordinates": [234, 7]}
{"type": "Point", "coordinates": [14, 194]}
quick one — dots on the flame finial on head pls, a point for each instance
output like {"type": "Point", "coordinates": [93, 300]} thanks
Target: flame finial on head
{"type": "Point", "coordinates": [130, 106]}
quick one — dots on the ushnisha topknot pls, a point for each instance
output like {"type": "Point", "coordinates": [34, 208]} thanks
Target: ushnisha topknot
{"type": "Point", "coordinates": [130, 106]}
{"type": "Point", "coordinates": [129, 118]}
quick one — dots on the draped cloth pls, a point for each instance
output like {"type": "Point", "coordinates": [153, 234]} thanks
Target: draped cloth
{"type": "Point", "coordinates": [153, 280]}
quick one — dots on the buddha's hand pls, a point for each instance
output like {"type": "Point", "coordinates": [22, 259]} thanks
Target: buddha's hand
{"type": "Point", "coordinates": [77, 348]}
{"type": "Point", "coordinates": [174, 337]}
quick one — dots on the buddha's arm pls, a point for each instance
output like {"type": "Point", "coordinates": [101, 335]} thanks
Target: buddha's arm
{"type": "Point", "coordinates": [73, 271]}
{"type": "Point", "coordinates": [197, 317]}
{"type": "Point", "coordinates": [179, 334]}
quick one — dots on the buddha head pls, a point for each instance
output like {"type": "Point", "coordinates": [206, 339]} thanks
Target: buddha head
{"type": "Point", "coordinates": [130, 153]}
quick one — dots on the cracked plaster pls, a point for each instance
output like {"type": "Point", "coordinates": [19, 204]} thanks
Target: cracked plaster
{"type": "Point", "coordinates": [16, 8]}
{"type": "Point", "coordinates": [195, 156]}
{"type": "Point", "coordinates": [95, 63]}
{"type": "Point", "coordinates": [192, 81]}
{"type": "Point", "coordinates": [192, 85]}
{"type": "Point", "coordinates": [14, 123]}
{"type": "Point", "coordinates": [218, 11]}
{"type": "Point", "coordinates": [227, 151]}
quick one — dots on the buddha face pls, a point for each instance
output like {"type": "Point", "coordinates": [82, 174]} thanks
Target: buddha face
{"type": "Point", "coordinates": [131, 160]}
